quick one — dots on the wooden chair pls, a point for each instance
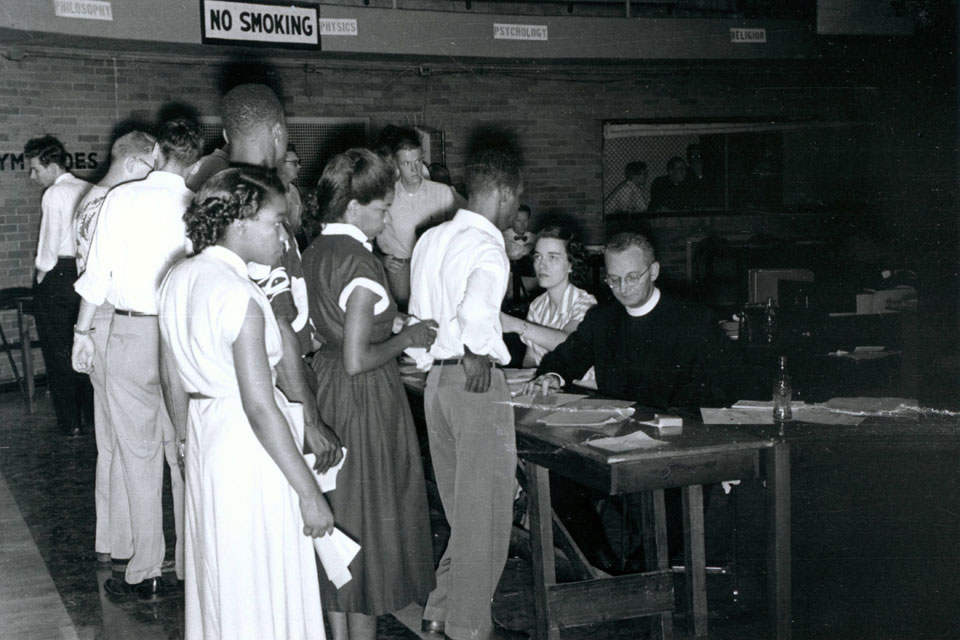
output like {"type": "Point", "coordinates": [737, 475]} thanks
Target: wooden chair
{"type": "Point", "coordinates": [20, 299]}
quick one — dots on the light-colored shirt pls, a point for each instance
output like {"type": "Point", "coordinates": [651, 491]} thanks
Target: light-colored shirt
{"type": "Point", "coordinates": [85, 222]}
{"type": "Point", "coordinates": [140, 234]}
{"type": "Point", "coordinates": [430, 203]}
{"type": "Point", "coordinates": [573, 306]}
{"type": "Point", "coordinates": [629, 197]}
{"type": "Point", "coordinates": [518, 244]}
{"type": "Point", "coordinates": [459, 276]}
{"type": "Point", "coordinates": [57, 205]}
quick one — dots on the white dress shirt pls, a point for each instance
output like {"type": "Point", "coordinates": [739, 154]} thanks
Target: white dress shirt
{"type": "Point", "coordinates": [56, 222]}
{"type": "Point", "coordinates": [518, 244]}
{"type": "Point", "coordinates": [459, 276]}
{"type": "Point", "coordinates": [140, 234]}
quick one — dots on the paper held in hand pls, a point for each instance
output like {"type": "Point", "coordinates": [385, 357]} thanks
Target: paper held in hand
{"type": "Point", "coordinates": [336, 551]}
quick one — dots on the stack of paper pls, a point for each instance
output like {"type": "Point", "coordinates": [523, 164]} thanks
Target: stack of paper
{"type": "Point", "coordinates": [589, 412]}
{"type": "Point", "coordinates": [619, 444]}
{"type": "Point", "coordinates": [336, 551]}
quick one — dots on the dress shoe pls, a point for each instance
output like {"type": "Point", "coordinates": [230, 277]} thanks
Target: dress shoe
{"type": "Point", "coordinates": [148, 590]}
{"type": "Point", "coordinates": [432, 626]}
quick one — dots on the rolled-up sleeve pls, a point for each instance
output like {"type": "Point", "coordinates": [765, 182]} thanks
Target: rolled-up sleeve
{"type": "Point", "coordinates": [52, 224]}
{"type": "Point", "coordinates": [479, 311]}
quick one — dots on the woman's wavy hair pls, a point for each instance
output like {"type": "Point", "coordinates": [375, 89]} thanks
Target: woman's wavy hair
{"type": "Point", "coordinates": [231, 194]}
{"type": "Point", "coordinates": [575, 251]}
{"type": "Point", "coordinates": [355, 174]}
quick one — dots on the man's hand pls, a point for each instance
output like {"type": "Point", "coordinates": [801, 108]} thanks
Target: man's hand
{"type": "Point", "coordinates": [392, 264]}
{"type": "Point", "coordinates": [321, 441]}
{"type": "Point", "coordinates": [545, 384]}
{"type": "Point", "coordinates": [83, 351]}
{"type": "Point", "coordinates": [317, 517]}
{"type": "Point", "coordinates": [477, 369]}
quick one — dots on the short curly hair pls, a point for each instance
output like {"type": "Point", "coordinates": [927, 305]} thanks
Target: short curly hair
{"type": "Point", "coordinates": [355, 174]}
{"type": "Point", "coordinates": [576, 254]}
{"type": "Point", "coordinates": [231, 194]}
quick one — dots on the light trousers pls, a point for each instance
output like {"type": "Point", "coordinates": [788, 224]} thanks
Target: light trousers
{"type": "Point", "coordinates": [144, 436]}
{"type": "Point", "coordinates": [474, 453]}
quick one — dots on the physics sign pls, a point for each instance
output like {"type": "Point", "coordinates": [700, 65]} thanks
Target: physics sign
{"type": "Point", "coordinates": [286, 25]}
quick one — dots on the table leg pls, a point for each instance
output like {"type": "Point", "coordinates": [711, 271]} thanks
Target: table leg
{"type": "Point", "coordinates": [26, 356]}
{"type": "Point", "coordinates": [778, 551]}
{"type": "Point", "coordinates": [541, 549]}
{"type": "Point", "coordinates": [694, 560]}
{"type": "Point", "coordinates": [655, 545]}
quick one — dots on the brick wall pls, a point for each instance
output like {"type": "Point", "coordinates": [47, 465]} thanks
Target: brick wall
{"type": "Point", "coordinates": [557, 110]}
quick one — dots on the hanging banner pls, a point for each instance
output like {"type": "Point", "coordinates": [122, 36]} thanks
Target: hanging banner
{"type": "Point", "coordinates": [286, 25]}
{"type": "Point", "coordinates": [749, 36]}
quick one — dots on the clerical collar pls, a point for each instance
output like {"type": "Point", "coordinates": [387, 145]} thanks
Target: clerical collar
{"type": "Point", "coordinates": [646, 307]}
{"type": "Point", "coordinates": [343, 229]}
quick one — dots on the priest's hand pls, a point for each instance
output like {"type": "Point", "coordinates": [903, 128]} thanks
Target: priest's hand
{"type": "Point", "coordinates": [542, 385]}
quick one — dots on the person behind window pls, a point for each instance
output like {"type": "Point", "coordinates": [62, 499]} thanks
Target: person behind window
{"type": "Point", "coordinates": [633, 194]}
{"type": "Point", "coordinates": [558, 260]}
{"type": "Point", "coordinates": [670, 192]}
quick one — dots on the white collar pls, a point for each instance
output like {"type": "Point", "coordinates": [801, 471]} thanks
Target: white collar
{"type": "Point", "coordinates": [222, 253]}
{"type": "Point", "coordinates": [344, 229]}
{"type": "Point", "coordinates": [647, 306]}
{"type": "Point", "coordinates": [476, 220]}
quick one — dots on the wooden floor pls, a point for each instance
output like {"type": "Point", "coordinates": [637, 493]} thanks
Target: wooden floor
{"type": "Point", "coordinates": [876, 544]}
{"type": "Point", "coordinates": [30, 605]}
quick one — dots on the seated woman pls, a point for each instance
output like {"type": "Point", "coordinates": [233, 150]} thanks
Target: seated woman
{"type": "Point", "coordinates": [381, 497]}
{"type": "Point", "coordinates": [251, 501]}
{"type": "Point", "coordinates": [558, 261]}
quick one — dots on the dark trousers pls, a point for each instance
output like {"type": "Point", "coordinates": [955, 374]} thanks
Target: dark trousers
{"type": "Point", "coordinates": [56, 305]}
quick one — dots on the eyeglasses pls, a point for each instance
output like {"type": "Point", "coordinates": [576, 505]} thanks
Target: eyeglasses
{"type": "Point", "coordinates": [295, 162]}
{"type": "Point", "coordinates": [631, 279]}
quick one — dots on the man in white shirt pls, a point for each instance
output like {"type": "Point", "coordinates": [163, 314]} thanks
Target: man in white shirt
{"type": "Point", "coordinates": [55, 302]}
{"type": "Point", "coordinates": [140, 234]}
{"type": "Point", "coordinates": [459, 277]}
{"type": "Point", "coordinates": [132, 157]}
{"type": "Point", "coordinates": [417, 203]}
{"type": "Point", "coordinates": [518, 240]}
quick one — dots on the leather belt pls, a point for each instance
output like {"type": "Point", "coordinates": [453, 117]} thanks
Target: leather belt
{"type": "Point", "coordinates": [133, 314]}
{"type": "Point", "coordinates": [456, 361]}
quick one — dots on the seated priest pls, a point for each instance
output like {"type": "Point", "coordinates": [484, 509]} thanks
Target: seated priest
{"type": "Point", "coordinates": [646, 345]}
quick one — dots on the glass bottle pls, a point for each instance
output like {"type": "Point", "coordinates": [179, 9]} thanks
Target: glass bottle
{"type": "Point", "coordinates": [782, 393]}
{"type": "Point", "coordinates": [770, 321]}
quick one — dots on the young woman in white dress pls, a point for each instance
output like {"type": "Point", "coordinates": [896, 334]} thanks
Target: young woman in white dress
{"type": "Point", "coordinates": [252, 503]}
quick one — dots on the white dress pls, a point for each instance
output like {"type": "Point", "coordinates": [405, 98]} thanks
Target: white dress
{"type": "Point", "coordinates": [250, 570]}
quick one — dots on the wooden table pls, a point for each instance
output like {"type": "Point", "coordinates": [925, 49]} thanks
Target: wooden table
{"type": "Point", "coordinates": [702, 454]}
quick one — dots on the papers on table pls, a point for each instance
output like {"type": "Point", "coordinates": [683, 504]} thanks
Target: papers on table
{"type": "Point", "coordinates": [589, 412]}
{"type": "Point", "coordinates": [837, 411]}
{"type": "Point", "coordinates": [619, 444]}
{"type": "Point", "coordinates": [516, 378]}
{"type": "Point", "coordinates": [336, 551]}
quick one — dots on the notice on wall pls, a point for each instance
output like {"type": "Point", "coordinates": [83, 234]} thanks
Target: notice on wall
{"type": "Point", "coordinates": [748, 36]}
{"type": "Point", "coordinates": [287, 25]}
{"type": "Point", "coordinates": [519, 31]}
{"type": "Point", "coordinates": [83, 9]}
{"type": "Point", "coordinates": [338, 27]}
